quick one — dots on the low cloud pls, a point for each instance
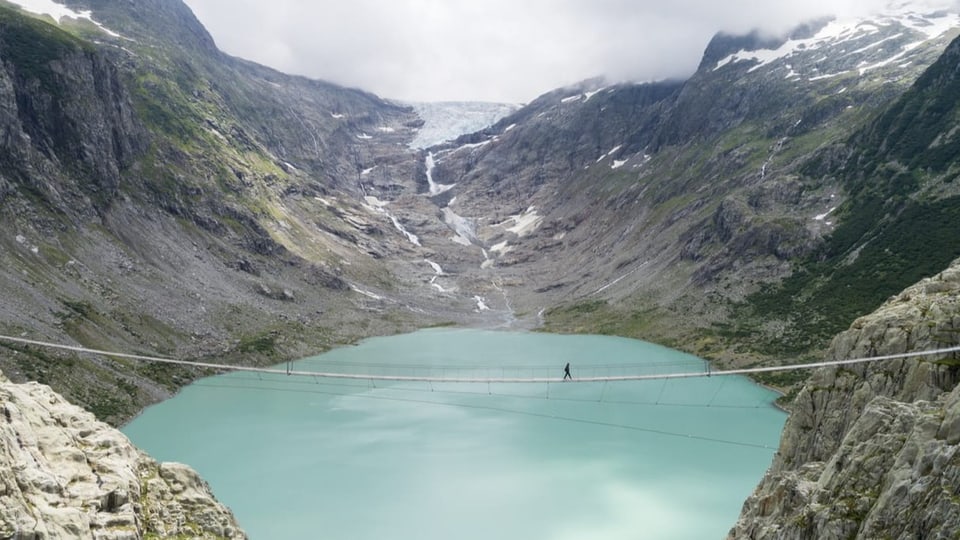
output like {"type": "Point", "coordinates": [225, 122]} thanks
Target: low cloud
{"type": "Point", "coordinates": [495, 50]}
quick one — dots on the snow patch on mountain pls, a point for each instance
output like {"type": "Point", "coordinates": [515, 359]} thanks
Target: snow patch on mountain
{"type": "Point", "coordinates": [610, 153]}
{"type": "Point", "coordinates": [59, 11]}
{"type": "Point", "coordinates": [590, 94]}
{"type": "Point", "coordinates": [471, 146]}
{"type": "Point", "coordinates": [465, 231]}
{"type": "Point", "coordinates": [823, 216]}
{"type": "Point", "coordinates": [525, 223]}
{"type": "Point", "coordinates": [438, 272]}
{"type": "Point", "coordinates": [917, 26]}
{"type": "Point", "coordinates": [436, 267]}
{"type": "Point", "coordinates": [414, 239]}
{"type": "Point", "coordinates": [502, 248]}
{"type": "Point", "coordinates": [445, 121]}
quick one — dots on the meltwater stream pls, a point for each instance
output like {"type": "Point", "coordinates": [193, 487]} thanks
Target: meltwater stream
{"type": "Point", "coordinates": [298, 458]}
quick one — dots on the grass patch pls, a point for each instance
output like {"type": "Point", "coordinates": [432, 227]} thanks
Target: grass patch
{"type": "Point", "coordinates": [265, 343]}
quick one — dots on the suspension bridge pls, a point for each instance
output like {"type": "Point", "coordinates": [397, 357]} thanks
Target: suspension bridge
{"type": "Point", "coordinates": [502, 378]}
{"type": "Point", "coordinates": [337, 382]}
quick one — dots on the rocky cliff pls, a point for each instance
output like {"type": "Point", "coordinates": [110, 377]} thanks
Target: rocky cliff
{"type": "Point", "coordinates": [873, 450]}
{"type": "Point", "coordinates": [68, 124]}
{"type": "Point", "coordinates": [67, 475]}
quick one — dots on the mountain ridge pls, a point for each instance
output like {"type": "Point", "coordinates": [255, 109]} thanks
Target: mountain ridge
{"type": "Point", "coordinates": [251, 167]}
{"type": "Point", "coordinates": [742, 130]}
{"type": "Point", "coordinates": [194, 199]}
{"type": "Point", "coordinates": [167, 199]}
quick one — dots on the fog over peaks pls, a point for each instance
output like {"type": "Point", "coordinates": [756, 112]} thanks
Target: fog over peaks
{"type": "Point", "coordinates": [499, 50]}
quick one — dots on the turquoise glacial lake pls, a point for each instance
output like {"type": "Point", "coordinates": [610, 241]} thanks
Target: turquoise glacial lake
{"type": "Point", "coordinates": [315, 458]}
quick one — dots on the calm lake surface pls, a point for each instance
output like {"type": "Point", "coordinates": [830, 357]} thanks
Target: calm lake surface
{"type": "Point", "coordinates": [305, 458]}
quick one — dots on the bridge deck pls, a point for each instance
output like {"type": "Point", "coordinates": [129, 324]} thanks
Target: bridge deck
{"type": "Point", "coordinates": [485, 380]}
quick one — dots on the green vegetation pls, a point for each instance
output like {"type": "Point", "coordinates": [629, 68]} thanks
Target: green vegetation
{"type": "Point", "coordinates": [79, 308]}
{"type": "Point", "coordinates": [38, 365]}
{"type": "Point", "coordinates": [110, 407]}
{"type": "Point", "coordinates": [170, 376]}
{"type": "Point", "coordinates": [582, 308]}
{"type": "Point", "coordinates": [890, 233]}
{"type": "Point", "coordinates": [31, 45]}
{"type": "Point", "coordinates": [161, 104]}
{"type": "Point", "coordinates": [864, 263]}
{"type": "Point", "coordinates": [264, 343]}
{"type": "Point", "coordinates": [603, 318]}
{"type": "Point", "coordinates": [783, 379]}
{"type": "Point", "coordinates": [113, 403]}
{"type": "Point", "coordinates": [918, 130]}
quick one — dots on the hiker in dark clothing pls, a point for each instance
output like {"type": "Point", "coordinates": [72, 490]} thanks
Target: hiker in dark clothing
{"type": "Point", "coordinates": [566, 372]}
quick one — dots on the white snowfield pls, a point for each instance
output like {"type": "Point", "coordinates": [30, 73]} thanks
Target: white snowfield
{"type": "Point", "coordinates": [930, 20]}
{"type": "Point", "coordinates": [446, 121]}
{"type": "Point", "coordinates": [59, 12]}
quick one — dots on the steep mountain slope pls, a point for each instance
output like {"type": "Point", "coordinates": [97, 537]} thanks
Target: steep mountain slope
{"type": "Point", "coordinates": [164, 198]}
{"type": "Point", "coordinates": [896, 225]}
{"type": "Point", "coordinates": [161, 197]}
{"type": "Point", "coordinates": [870, 451]}
{"type": "Point", "coordinates": [671, 203]}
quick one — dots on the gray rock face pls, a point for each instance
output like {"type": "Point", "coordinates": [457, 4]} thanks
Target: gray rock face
{"type": "Point", "coordinates": [156, 157]}
{"type": "Point", "coordinates": [73, 477]}
{"type": "Point", "coordinates": [65, 115]}
{"type": "Point", "coordinates": [871, 450]}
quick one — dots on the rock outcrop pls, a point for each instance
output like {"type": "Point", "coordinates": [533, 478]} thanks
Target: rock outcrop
{"type": "Point", "coordinates": [68, 124]}
{"type": "Point", "coordinates": [66, 475]}
{"type": "Point", "coordinates": [871, 450]}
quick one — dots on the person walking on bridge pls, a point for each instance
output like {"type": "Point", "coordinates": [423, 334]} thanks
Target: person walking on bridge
{"type": "Point", "coordinates": [566, 372]}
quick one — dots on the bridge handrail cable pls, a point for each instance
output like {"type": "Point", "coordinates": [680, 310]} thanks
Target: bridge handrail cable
{"type": "Point", "coordinates": [485, 380]}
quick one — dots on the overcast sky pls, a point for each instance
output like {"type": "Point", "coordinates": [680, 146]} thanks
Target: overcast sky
{"type": "Point", "coordinates": [493, 50]}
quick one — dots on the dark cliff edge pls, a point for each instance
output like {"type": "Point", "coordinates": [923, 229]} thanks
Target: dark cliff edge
{"type": "Point", "coordinates": [69, 127]}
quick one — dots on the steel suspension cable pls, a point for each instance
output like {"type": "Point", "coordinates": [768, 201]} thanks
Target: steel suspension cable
{"type": "Point", "coordinates": [486, 380]}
